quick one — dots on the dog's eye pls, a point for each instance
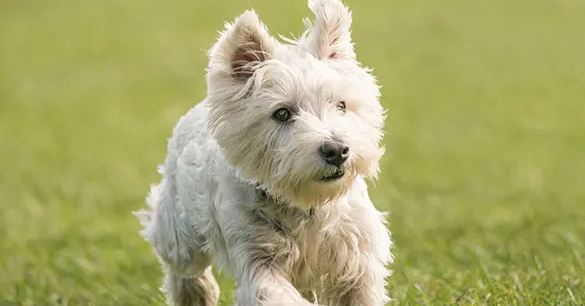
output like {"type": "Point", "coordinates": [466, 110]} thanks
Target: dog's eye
{"type": "Point", "coordinates": [282, 114]}
{"type": "Point", "coordinates": [341, 106]}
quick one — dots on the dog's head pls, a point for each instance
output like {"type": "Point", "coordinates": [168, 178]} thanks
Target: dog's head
{"type": "Point", "coordinates": [301, 118]}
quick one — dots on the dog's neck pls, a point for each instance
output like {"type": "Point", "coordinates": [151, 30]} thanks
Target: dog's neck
{"type": "Point", "coordinates": [265, 195]}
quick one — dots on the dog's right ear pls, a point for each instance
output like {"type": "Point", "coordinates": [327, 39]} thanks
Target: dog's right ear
{"type": "Point", "coordinates": [240, 49]}
{"type": "Point", "coordinates": [331, 35]}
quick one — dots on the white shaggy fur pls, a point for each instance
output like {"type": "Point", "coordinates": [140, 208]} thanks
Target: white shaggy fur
{"type": "Point", "coordinates": [248, 191]}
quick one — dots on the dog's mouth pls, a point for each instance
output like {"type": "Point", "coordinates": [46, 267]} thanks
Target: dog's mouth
{"type": "Point", "coordinates": [334, 176]}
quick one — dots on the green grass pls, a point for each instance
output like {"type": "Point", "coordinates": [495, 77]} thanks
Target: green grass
{"type": "Point", "coordinates": [484, 176]}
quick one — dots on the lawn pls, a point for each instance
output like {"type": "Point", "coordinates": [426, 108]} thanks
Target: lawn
{"type": "Point", "coordinates": [484, 174]}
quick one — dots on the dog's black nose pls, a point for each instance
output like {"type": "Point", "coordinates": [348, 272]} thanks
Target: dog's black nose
{"type": "Point", "coordinates": [334, 152]}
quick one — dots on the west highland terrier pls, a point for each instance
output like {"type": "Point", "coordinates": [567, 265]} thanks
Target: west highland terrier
{"type": "Point", "coordinates": [266, 176]}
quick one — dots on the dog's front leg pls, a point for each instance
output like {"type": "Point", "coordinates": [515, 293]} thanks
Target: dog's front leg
{"type": "Point", "coordinates": [367, 287]}
{"type": "Point", "coordinates": [369, 290]}
{"type": "Point", "coordinates": [260, 284]}
{"type": "Point", "coordinates": [259, 256]}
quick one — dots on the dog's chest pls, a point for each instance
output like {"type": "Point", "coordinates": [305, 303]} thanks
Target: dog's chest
{"type": "Point", "coordinates": [325, 251]}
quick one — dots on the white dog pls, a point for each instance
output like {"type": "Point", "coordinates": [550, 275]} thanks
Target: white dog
{"type": "Point", "coordinates": [267, 175]}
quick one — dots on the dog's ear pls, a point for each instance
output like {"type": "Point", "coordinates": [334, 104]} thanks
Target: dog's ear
{"type": "Point", "coordinates": [330, 36]}
{"type": "Point", "coordinates": [241, 48]}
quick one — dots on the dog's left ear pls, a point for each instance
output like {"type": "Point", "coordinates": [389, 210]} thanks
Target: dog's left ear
{"type": "Point", "coordinates": [330, 36]}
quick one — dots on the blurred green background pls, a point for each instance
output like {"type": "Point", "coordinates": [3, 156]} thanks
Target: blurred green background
{"type": "Point", "coordinates": [484, 175]}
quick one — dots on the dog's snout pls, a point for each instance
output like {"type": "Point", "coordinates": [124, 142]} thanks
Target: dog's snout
{"type": "Point", "coordinates": [334, 152]}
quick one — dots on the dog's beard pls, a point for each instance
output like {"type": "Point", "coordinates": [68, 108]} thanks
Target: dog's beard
{"type": "Point", "coordinates": [318, 193]}
{"type": "Point", "coordinates": [313, 190]}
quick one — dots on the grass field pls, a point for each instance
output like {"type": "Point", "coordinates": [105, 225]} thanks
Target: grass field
{"type": "Point", "coordinates": [484, 175]}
